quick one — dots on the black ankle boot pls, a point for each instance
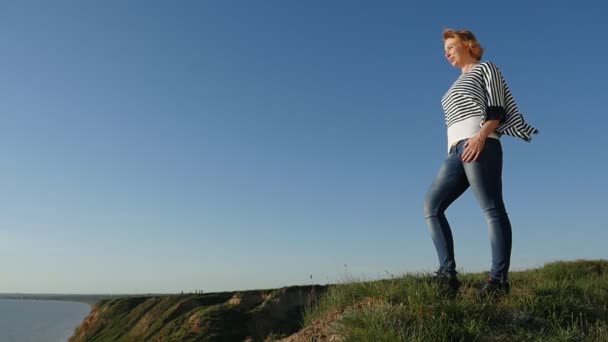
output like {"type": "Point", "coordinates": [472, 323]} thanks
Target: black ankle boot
{"type": "Point", "coordinates": [494, 289]}
{"type": "Point", "coordinates": [448, 284]}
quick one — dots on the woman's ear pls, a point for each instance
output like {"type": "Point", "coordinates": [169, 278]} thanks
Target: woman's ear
{"type": "Point", "coordinates": [469, 47]}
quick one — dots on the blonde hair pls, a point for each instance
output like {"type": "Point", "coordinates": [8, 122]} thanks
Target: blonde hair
{"type": "Point", "coordinates": [468, 38]}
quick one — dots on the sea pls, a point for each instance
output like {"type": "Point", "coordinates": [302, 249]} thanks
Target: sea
{"type": "Point", "coordinates": [39, 320]}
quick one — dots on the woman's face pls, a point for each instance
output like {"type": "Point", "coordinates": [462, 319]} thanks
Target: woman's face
{"type": "Point", "coordinates": [456, 52]}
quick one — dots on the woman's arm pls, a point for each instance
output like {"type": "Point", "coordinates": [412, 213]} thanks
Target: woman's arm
{"type": "Point", "coordinates": [495, 89]}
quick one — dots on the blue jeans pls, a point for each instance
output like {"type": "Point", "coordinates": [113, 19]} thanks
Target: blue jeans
{"type": "Point", "coordinates": [485, 178]}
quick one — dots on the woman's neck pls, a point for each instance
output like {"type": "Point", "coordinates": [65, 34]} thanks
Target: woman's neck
{"type": "Point", "coordinates": [467, 67]}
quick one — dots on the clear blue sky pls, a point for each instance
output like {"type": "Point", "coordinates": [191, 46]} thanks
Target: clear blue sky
{"type": "Point", "coordinates": [222, 145]}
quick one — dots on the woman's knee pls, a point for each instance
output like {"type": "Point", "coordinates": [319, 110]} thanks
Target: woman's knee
{"type": "Point", "coordinates": [495, 212]}
{"type": "Point", "coordinates": [431, 206]}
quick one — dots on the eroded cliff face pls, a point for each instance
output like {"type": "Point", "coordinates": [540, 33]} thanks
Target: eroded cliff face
{"type": "Point", "coordinates": [225, 316]}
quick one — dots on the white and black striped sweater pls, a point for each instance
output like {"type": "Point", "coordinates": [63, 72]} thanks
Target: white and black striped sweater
{"type": "Point", "coordinates": [479, 95]}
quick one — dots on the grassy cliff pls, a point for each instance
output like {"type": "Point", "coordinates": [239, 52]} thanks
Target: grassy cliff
{"type": "Point", "coordinates": [562, 301]}
{"type": "Point", "coordinates": [226, 316]}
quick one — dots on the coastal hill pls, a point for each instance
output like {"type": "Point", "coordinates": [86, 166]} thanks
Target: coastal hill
{"type": "Point", "coordinates": [561, 301]}
{"type": "Point", "coordinates": [223, 316]}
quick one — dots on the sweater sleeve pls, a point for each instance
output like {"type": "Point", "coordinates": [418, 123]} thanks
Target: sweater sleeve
{"type": "Point", "coordinates": [495, 92]}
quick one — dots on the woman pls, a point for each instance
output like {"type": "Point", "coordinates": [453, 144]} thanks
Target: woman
{"type": "Point", "coordinates": [478, 109]}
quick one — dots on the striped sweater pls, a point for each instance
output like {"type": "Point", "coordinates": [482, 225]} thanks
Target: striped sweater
{"type": "Point", "coordinates": [479, 95]}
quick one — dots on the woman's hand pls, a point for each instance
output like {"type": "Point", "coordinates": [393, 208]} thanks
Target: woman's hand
{"type": "Point", "coordinates": [473, 148]}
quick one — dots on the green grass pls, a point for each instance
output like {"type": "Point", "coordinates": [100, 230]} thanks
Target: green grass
{"type": "Point", "coordinates": [562, 301]}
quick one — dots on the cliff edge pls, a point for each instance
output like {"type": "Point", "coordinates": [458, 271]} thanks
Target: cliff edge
{"type": "Point", "coordinates": [227, 316]}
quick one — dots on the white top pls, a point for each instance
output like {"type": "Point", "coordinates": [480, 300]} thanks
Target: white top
{"type": "Point", "coordinates": [465, 129]}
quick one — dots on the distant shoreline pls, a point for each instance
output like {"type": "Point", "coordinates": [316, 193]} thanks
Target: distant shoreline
{"type": "Point", "coordinates": [90, 299]}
